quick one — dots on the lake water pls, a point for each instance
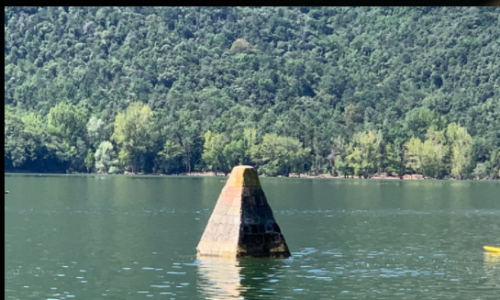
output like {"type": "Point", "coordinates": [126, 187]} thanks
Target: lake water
{"type": "Point", "coordinates": [120, 237]}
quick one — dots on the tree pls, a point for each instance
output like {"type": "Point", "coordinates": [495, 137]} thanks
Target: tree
{"type": "Point", "coordinates": [66, 129]}
{"type": "Point", "coordinates": [67, 121]}
{"type": "Point", "coordinates": [432, 158]}
{"type": "Point", "coordinates": [186, 131]}
{"type": "Point", "coordinates": [494, 163]}
{"type": "Point", "coordinates": [241, 46]}
{"type": "Point", "coordinates": [356, 160]}
{"type": "Point", "coordinates": [234, 153]}
{"type": "Point", "coordinates": [414, 154]}
{"type": "Point", "coordinates": [352, 117]}
{"type": "Point", "coordinates": [480, 171]}
{"type": "Point", "coordinates": [249, 142]}
{"type": "Point", "coordinates": [134, 133]}
{"type": "Point", "coordinates": [213, 152]}
{"type": "Point", "coordinates": [96, 131]}
{"type": "Point", "coordinates": [278, 155]}
{"type": "Point", "coordinates": [89, 160]}
{"type": "Point", "coordinates": [198, 71]}
{"type": "Point", "coordinates": [15, 150]}
{"type": "Point", "coordinates": [105, 157]}
{"type": "Point", "coordinates": [337, 155]}
{"type": "Point", "coordinates": [434, 152]}
{"type": "Point", "coordinates": [35, 135]}
{"type": "Point", "coordinates": [460, 143]}
{"type": "Point", "coordinates": [426, 157]}
{"type": "Point", "coordinates": [341, 167]}
{"type": "Point", "coordinates": [171, 156]}
{"type": "Point", "coordinates": [395, 158]}
{"type": "Point", "coordinates": [77, 163]}
{"type": "Point", "coordinates": [33, 124]}
{"type": "Point", "coordinates": [418, 120]}
{"type": "Point", "coordinates": [363, 152]}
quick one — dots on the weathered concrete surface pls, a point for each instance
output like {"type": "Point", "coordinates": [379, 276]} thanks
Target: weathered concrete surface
{"type": "Point", "coordinates": [242, 223]}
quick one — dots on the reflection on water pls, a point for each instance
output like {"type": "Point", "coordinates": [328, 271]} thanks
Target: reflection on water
{"type": "Point", "coordinates": [221, 278]}
{"type": "Point", "coordinates": [246, 278]}
{"type": "Point", "coordinates": [492, 260]}
{"type": "Point", "coordinates": [492, 269]}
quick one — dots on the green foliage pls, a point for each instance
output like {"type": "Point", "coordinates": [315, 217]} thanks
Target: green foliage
{"type": "Point", "coordinates": [105, 157]}
{"type": "Point", "coordinates": [315, 75]}
{"type": "Point", "coordinates": [480, 171]}
{"type": "Point", "coordinates": [429, 157]}
{"type": "Point", "coordinates": [414, 149]}
{"type": "Point", "coordinates": [171, 156]}
{"type": "Point", "coordinates": [460, 143]}
{"type": "Point", "coordinates": [89, 160]}
{"type": "Point", "coordinates": [337, 157]}
{"type": "Point", "coordinates": [234, 153]}
{"type": "Point", "coordinates": [35, 133]}
{"type": "Point", "coordinates": [363, 153]}
{"type": "Point", "coordinates": [426, 157]}
{"type": "Point", "coordinates": [419, 120]}
{"type": "Point", "coordinates": [280, 155]}
{"type": "Point", "coordinates": [494, 163]}
{"type": "Point", "coordinates": [213, 154]}
{"type": "Point", "coordinates": [15, 150]}
{"type": "Point", "coordinates": [241, 46]}
{"type": "Point", "coordinates": [96, 131]}
{"type": "Point", "coordinates": [67, 122]}
{"type": "Point", "coordinates": [394, 159]}
{"type": "Point", "coordinates": [249, 142]}
{"type": "Point", "coordinates": [134, 132]}
{"type": "Point", "coordinates": [341, 165]}
{"type": "Point", "coordinates": [33, 124]}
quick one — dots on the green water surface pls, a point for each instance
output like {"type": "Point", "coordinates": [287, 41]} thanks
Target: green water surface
{"type": "Point", "coordinates": [120, 237]}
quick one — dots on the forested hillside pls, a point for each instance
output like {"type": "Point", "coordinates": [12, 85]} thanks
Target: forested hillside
{"type": "Point", "coordinates": [320, 90]}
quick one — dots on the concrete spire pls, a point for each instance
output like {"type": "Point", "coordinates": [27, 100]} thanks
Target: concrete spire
{"type": "Point", "coordinates": [242, 223]}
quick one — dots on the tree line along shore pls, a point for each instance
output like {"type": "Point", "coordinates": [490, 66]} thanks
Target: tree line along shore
{"type": "Point", "coordinates": [341, 91]}
{"type": "Point", "coordinates": [446, 151]}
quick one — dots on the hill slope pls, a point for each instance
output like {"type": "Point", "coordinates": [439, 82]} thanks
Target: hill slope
{"type": "Point", "coordinates": [312, 74]}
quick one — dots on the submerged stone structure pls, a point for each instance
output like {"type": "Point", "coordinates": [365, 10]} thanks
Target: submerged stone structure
{"type": "Point", "coordinates": [242, 223]}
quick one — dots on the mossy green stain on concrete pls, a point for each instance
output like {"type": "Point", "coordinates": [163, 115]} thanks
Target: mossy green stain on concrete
{"type": "Point", "coordinates": [243, 176]}
{"type": "Point", "coordinates": [242, 223]}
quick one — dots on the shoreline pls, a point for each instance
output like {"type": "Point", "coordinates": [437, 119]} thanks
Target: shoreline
{"type": "Point", "coordinates": [291, 175]}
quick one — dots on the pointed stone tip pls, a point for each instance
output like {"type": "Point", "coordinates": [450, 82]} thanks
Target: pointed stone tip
{"type": "Point", "coordinates": [243, 176]}
{"type": "Point", "coordinates": [242, 223]}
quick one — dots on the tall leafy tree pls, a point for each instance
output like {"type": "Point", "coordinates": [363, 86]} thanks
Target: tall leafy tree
{"type": "Point", "coordinates": [67, 121]}
{"type": "Point", "coordinates": [213, 152]}
{"type": "Point", "coordinates": [134, 133]}
{"type": "Point", "coordinates": [89, 160]}
{"type": "Point", "coordinates": [426, 157]}
{"type": "Point", "coordinates": [105, 157]}
{"type": "Point", "coordinates": [66, 127]}
{"type": "Point", "coordinates": [171, 157]}
{"type": "Point", "coordinates": [363, 152]}
{"type": "Point", "coordinates": [96, 131]}
{"type": "Point", "coordinates": [280, 155]}
{"type": "Point", "coordinates": [414, 149]}
{"type": "Point", "coordinates": [460, 143]}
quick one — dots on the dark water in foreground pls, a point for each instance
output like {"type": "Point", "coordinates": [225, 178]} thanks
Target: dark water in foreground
{"type": "Point", "coordinates": [118, 237]}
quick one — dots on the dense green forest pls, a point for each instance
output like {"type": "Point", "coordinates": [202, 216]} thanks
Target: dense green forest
{"type": "Point", "coordinates": [339, 90]}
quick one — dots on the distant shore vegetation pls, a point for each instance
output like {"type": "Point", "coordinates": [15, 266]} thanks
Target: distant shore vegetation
{"type": "Point", "coordinates": [348, 92]}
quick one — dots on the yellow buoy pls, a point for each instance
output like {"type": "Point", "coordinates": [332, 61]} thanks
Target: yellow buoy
{"type": "Point", "coordinates": [492, 249]}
